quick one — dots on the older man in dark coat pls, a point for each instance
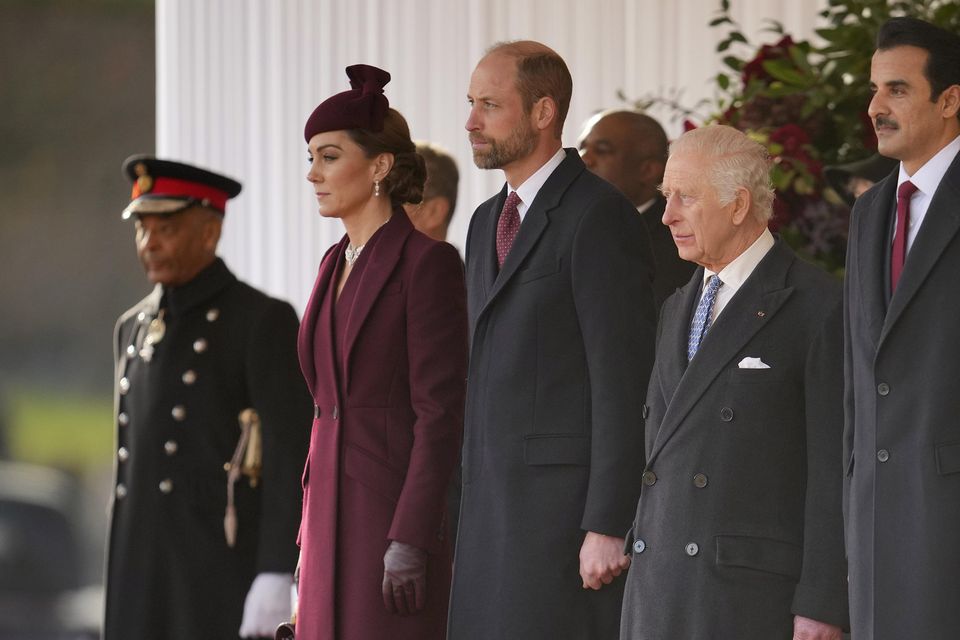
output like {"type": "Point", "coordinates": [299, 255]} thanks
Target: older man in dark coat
{"type": "Point", "coordinates": [561, 314]}
{"type": "Point", "coordinates": [190, 357]}
{"type": "Point", "coordinates": [738, 531]}
{"type": "Point", "coordinates": [902, 438]}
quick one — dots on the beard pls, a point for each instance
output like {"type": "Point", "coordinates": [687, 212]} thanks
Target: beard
{"type": "Point", "coordinates": [519, 143]}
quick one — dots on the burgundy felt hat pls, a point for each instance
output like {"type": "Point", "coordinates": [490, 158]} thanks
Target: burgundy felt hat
{"type": "Point", "coordinates": [362, 107]}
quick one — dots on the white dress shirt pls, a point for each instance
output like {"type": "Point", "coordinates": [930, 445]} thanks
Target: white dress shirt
{"type": "Point", "coordinates": [531, 186]}
{"type": "Point", "coordinates": [926, 180]}
{"type": "Point", "coordinates": [736, 273]}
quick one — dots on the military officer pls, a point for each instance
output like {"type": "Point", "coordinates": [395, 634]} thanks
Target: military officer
{"type": "Point", "coordinates": [206, 505]}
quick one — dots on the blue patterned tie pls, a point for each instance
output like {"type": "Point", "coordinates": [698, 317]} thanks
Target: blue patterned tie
{"type": "Point", "coordinates": [701, 319]}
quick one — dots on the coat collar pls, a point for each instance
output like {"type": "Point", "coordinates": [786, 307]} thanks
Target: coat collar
{"type": "Point", "coordinates": [534, 224]}
{"type": "Point", "coordinates": [937, 231]}
{"type": "Point", "coordinates": [751, 308]}
{"type": "Point", "coordinates": [208, 283]}
{"type": "Point", "coordinates": [306, 349]}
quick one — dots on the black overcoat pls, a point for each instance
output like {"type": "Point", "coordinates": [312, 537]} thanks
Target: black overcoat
{"type": "Point", "coordinates": [562, 345]}
{"type": "Point", "coordinates": [227, 347]}
{"type": "Point", "coordinates": [902, 437]}
{"type": "Point", "coordinates": [739, 522]}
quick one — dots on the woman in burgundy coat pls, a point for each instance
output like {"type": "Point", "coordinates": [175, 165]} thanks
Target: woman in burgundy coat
{"type": "Point", "coordinates": [383, 347]}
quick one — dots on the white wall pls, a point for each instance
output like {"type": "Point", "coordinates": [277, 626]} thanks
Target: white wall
{"type": "Point", "coordinates": [236, 80]}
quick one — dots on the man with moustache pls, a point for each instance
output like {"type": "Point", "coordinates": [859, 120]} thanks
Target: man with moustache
{"type": "Point", "coordinates": [902, 355]}
{"type": "Point", "coordinates": [629, 150]}
{"type": "Point", "coordinates": [189, 556]}
{"type": "Point", "coordinates": [562, 325]}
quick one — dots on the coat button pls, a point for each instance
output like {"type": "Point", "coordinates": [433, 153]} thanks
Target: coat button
{"type": "Point", "coordinates": [179, 413]}
{"type": "Point", "coordinates": [700, 481]}
{"type": "Point", "coordinates": [124, 385]}
{"type": "Point", "coordinates": [213, 314]}
{"type": "Point", "coordinates": [200, 345]}
{"type": "Point", "coordinates": [170, 447]}
{"type": "Point", "coordinates": [883, 388]}
{"type": "Point", "coordinates": [166, 485]}
{"type": "Point", "coordinates": [121, 491]}
{"type": "Point", "coordinates": [883, 455]}
{"type": "Point", "coordinates": [141, 317]}
{"type": "Point", "coordinates": [316, 412]}
{"type": "Point", "coordinates": [726, 414]}
{"type": "Point", "coordinates": [692, 549]}
{"type": "Point", "coordinates": [131, 350]}
{"type": "Point", "coordinates": [189, 377]}
{"type": "Point", "coordinates": [122, 454]}
{"type": "Point", "coordinates": [123, 419]}
{"type": "Point", "coordinates": [639, 546]}
{"type": "Point", "coordinates": [649, 478]}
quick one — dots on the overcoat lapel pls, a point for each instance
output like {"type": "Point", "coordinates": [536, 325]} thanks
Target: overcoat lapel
{"type": "Point", "coordinates": [383, 261]}
{"type": "Point", "coordinates": [750, 309]}
{"type": "Point", "coordinates": [675, 337]}
{"type": "Point", "coordinates": [939, 227]}
{"type": "Point", "coordinates": [488, 254]}
{"type": "Point", "coordinates": [535, 221]}
{"type": "Point", "coordinates": [876, 253]}
{"type": "Point", "coordinates": [308, 327]}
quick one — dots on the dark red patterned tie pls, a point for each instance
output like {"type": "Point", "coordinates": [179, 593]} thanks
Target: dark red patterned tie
{"type": "Point", "coordinates": [507, 226]}
{"type": "Point", "coordinates": [899, 253]}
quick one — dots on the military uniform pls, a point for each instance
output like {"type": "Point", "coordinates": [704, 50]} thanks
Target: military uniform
{"type": "Point", "coordinates": [189, 359]}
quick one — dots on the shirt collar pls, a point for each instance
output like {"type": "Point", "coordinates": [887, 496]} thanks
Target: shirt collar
{"type": "Point", "coordinates": [736, 273]}
{"type": "Point", "coordinates": [531, 186]}
{"type": "Point", "coordinates": [928, 177]}
{"type": "Point", "coordinates": [646, 205]}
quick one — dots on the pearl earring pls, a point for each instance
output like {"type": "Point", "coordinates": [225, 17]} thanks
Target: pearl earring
{"type": "Point", "coordinates": [376, 188]}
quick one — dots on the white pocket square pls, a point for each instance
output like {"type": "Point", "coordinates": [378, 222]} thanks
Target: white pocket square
{"type": "Point", "coordinates": [753, 363]}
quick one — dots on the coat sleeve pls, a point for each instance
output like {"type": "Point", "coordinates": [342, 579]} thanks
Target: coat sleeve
{"type": "Point", "coordinates": [278, 393]}
{"type": "Point", "coordinates": [614, 300]}
{"type": "Point", "coordinates": [437, 352]}
{"type": "Point", "coordinates": [821, 593]}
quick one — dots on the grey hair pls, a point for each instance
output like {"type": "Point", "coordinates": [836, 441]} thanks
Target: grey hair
{"type": "Point", "coordinates": [735, 161]}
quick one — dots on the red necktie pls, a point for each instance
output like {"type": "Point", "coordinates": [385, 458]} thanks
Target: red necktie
{"type": "Point", "coordinates": [507, 226]}
{"type": "Point", "coordinates": [899, 253]}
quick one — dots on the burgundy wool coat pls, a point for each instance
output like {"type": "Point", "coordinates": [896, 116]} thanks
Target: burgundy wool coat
{"type": "Point", "coordinates": [385, 438]}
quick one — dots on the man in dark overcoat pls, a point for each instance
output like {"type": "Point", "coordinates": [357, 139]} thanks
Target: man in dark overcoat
{"type": "Point", "coordinates": [738, 531]}
{"type": "Point", "coordinates": [902, 355]}
{"type": "Point", "coordinates": [190, 357]}
{"type": "Point", "coordinates": [628, 149]}
{"type": "Point", "coordinates": [562, 319]}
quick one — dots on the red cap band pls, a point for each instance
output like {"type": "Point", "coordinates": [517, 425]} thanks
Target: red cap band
{"type": "Point", "coordinates": [184, 189]}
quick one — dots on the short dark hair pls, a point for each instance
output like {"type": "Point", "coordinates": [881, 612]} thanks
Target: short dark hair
{"type": "Point", "coordinates": [943, 50]}
{"type": "Point", "coordinates": [442, 175]}
{"type": "Point", "coordinates": [541, 73]}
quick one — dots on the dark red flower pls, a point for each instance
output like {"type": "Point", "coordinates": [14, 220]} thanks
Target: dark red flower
{"type": "Point", "coordinates": [688, 125]}
{"type": "Point", "coordinates": [754, 68]}
{"type": "Point", "coordinates": [791, 137]}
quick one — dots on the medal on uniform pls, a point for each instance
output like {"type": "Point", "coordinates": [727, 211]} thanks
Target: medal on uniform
{"type": "Point", "coordinates": [155, 333]}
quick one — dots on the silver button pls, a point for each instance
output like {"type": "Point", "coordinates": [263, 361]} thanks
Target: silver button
{"type": "Point", "coordinates": [122, 454]}
{"type": "Point", "coordinates": [200, 345]}
{"type": "Point", "coordinates": [166, 485]}
{"type": "Point", "coordinates": [639, 546]}
{"type": "Point", "coordinates": [123, 419]}
{"type": "Point", "coordinates": [692, 549]}
{"type": "Point", "coordinates": [883, 455]}
{"type": "Point", "coordinates": [121, 491]}
{"type": "Point", "coordinates": [170, 447]}
{"type": "Point", "coordinates": [213, 314]}
{"type": "Point", "coordinates": [189, 377]}
{"type": "Point", "coordinates": [131, 350]}
{"type": "Point", "coordinates": [883, 389]}
{"type": "Point", "coordinates": [179, 413]}
{"type": "Point", "coordinates": [141, 316]}
{"type": "Point", "coordinates": [124, 385]}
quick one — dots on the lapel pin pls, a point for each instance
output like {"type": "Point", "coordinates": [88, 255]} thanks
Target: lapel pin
{"type": "Point", "coordinates": [761, 314]}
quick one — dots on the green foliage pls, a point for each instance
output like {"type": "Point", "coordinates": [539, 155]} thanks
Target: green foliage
{"type": "Point", "coordinates": [71, 432]}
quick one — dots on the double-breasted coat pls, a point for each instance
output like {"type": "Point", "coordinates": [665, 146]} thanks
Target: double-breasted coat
{"type": "Point", "coordinates": [386, 433]}
{"type": "Point", "coordinates": [562, 346]}
{"type": "Point", "coordinates": [902, 437]}
{"type": "Point", "coordinates": [226, 347]}
{"type": "Point", "coordinates": [739, 522]}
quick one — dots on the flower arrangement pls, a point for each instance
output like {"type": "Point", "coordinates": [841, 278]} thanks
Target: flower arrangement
{"type": "Point", "coordinates": [807, 104]}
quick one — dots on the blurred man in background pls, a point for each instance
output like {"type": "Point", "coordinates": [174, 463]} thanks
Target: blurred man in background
{"type": "Point", "coordinates": [432, 216]}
